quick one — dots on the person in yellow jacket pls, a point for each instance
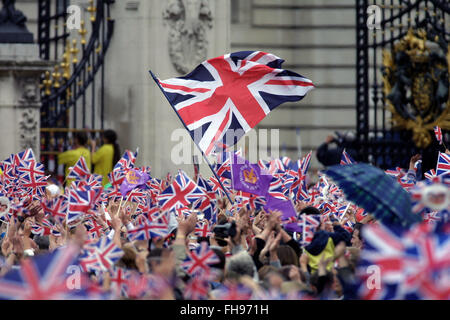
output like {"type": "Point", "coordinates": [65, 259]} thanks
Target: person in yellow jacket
{"type": "Point", "coordinates": [70, 157]}
{"type": "Point", "coordinates": [329, 234]}
{"type": "Point", "coordinates": [106, 156]}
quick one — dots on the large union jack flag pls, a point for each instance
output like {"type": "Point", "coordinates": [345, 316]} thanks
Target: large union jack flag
{"type": "Point", "coordinates": [414, 264]}
{"type": "Point", "coordinates": [41, 278]}
{"type": "Point", "coordinates": [231, 93]}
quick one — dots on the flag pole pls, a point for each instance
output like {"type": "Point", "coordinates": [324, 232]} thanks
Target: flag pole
{"type": "Point", "coordinates": [204, 156]}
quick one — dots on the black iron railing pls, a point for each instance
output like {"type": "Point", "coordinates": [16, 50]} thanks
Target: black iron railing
{"type": "Point", "coordinates": [381, 140]}
{"type": "Point", "coordinates": [73, 94]}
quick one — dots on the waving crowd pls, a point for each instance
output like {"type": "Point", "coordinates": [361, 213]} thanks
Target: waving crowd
{"type": "Point", "coordinates": [95, 242]}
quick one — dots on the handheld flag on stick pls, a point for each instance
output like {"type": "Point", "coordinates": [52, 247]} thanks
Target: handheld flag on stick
{"type": "Point", "coordinates": [231, 93]}
{"type": "Point", "coordinates": [439, 136]}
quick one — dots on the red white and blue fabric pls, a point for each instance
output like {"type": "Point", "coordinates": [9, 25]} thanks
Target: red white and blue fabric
{"type": "Point", "coordinates": [443, 164]}
{"type": "Point", "coordinates": [232, 291]}
{"type": "Point", "coordinates": [306, 161]}
{"type": "Point", "coordinates": [57, 207]}
{"type": "Point", "coordinates": [141, 231]}
{"type": "Point", "coordinates": [223, 165]}
{"type": "Point", "coordinates": [277, 190]}
{"type": "Point", "coordinates": [397, 172]}
{"type": "Point", "coordinates": [346, 159]}
{"type": "Point", "coordinates": [202, 229]}
{"type": "Point", "coordinates": [43, 277]}
{"type": "Point", "coordinates": [100, 255]}
{"type": "Point", "coordinates": [199, 260]}
{"type": "Point", "coordinates": [159, 226]}
{"type": "Point", "coordinates": [95, 230]}
{"type": "Point", "coordinates": [80, 202]}
{"type": "Point", "coordinates": [232, 93]}
{"type": "Point", "coordinates": [438, 134]}
{"type": "Point", "coordinates": [197, 288]}
{"type": "Point", "coordinates": [430, 175]}
{"type": "Point", "coordinates": [182, 192]}
{"type": "Point", "coordinates": [41, 230]}
{"type": "Point", "coordinates": [79, 171]}
{"type": "Point", "coordinates": [207, 204]}
{"type": "Point", "coordinates": [252, 201]}
{"type": "Point", "coordinates": [31, 177]}
{"type": "Point", "coordinates": [127, 161]}
{"type": "Point", "coordinates": [406, 183]}
{"type": "Point", "coordinates": [26, 155]}
{"type": "Point", "coordinates": [341, 211]}
{"type": "Point", "coordinates": [414, 264]}
{"type": "Point", "coordinates": [217, 188]}
{"type": "Point", "coordinates": [309, 224]}
{"type": "Point", "coordinates": [119, 278]}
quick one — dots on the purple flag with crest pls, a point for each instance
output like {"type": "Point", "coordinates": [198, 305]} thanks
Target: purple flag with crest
{"type": "Point", "coordinates": [133, 179]}
{"type": "Point", "coordinates": [249, 177]}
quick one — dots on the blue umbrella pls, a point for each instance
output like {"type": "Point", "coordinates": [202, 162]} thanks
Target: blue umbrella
{"type": "Point", "coordinates": [372, 189]}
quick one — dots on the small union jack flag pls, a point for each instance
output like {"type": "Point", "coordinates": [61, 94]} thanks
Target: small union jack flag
{"type": "Point", "coordinates": [119, 281]}
{"type": "Point", "coordinates": [141, 231]}
{"type": "Point", "coordinates": [159, 227]}
{"type": "Point", "coordinates": [443, 164]}
{"type": "Point", "coordinates": [95, 230]}
{"type": "Point", "coordinates": [31, 177]}
{"type": "Point", "coordinates": [40, 230]}
{"type": "Point", "coordinates": [346, 159]}
{"type": "Point", "coordinates": [202, 229]}
{"type": "Point", "coordinates": [79, 171]}
{"type": "Point", "coordinates": [430, 175]}
{"type": "Point", "coordinates": [100, 255]}
{"type": "Point", "coordinates": [438, 134]}
{"type": "Point", "coordinates": [207, 204]}
{"type": "Point", "coordinates": [26, 155]}
{"type": "Point", "coordinates": [216, 187]}
{"type": "Point", "coordinates": [80, 202]}
{"type": "Point", "coordinates": [197, 288]}
{"type": "Point", "coordinates": [127, 161]}
{"type": "Point", "coordinates": [327, 208]}
{"type": "Point", "coordinates": [397, 172]}
{"type": "Point", "coordinates": [182, 192]}
{"type": "Point", "coordinates": [198, 260]}
{"type": "Point", "coordinates": [276, 189]}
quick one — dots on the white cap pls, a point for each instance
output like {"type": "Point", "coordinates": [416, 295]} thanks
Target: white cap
{"type": "Point", "coordinates": [53, 189]}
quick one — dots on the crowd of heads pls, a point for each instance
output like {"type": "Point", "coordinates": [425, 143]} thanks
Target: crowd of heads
{"type": "Point", "coordinates": [242, 251]}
